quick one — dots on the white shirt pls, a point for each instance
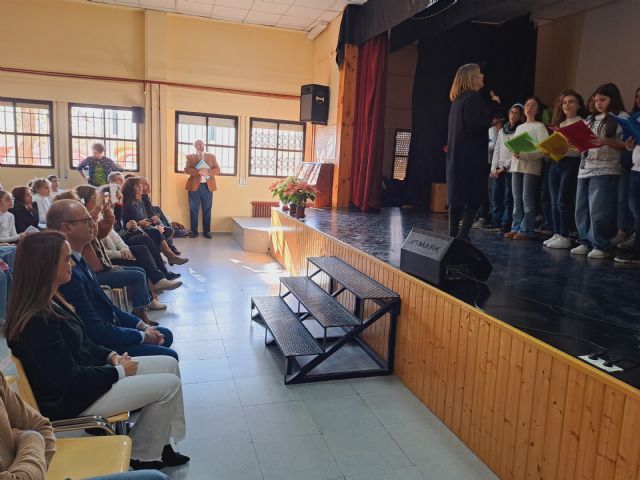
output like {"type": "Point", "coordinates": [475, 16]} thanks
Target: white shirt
{"type": "Point", "coordinates": [530, 163]}
{"type": "Point", "coordinates": [43, 207]}
{"type": "Point", "coordinates": [8, 232]}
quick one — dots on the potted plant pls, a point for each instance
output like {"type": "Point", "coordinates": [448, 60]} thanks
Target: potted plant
{"type": "Point", "coordinates": [277, 189]}
{"type": "Point", "coordinates": [298, 193]}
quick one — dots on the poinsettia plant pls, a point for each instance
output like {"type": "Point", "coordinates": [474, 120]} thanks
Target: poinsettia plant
{"type": "Point", "coordinates": [300, 191]}
{"type": "Point", "coordinates": [277, 188]}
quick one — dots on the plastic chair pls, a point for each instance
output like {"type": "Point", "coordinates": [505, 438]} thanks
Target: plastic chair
{"type": "Point", "coordinates": [116, 424]}
{"type": "Point", "coordinates": [87, 456]}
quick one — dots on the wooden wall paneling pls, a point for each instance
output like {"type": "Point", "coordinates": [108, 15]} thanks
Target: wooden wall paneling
{"type": "Point", "coordinates": [500, 401]}
{"type": "Point", "coordinates": [460, 372]}
{"type": "Point", "coordinates": [491, 380]}
{"type": "Point", "coordinates": [608, 442]}
{"type": "Point", "coordinates": [514, 386]}
{"type": "Point", "coordinates": [555, 418]}
{"type": "Point", "coordinates": [443, 363]}
{"type": "Point", "coordinates": [479, 385]}
{"type": "Point", "coordinates": [571, 424]}
{"type": "Point", "coordinates": [539, 415]}
{"type": "Point", "coordinates": [525, 407]}
{"type": "Point", "coordinates": [452, 357]}
{"type": "Point", "coordinates": [469, 379]}
{"type": "Point", "coordinates": [629, 446]}
{"type": "Point", "coordinates": [590, 429]}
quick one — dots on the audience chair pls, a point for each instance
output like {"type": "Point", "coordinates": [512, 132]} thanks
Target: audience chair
{"type": "Point", "coordinates": [118, 296]}
{"type": "Point", "coordinates": [116, 424]}
{"type": "Point", "coordinates": [87, 456]}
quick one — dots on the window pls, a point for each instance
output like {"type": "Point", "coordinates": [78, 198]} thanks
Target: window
{"type": "Point", "coordinates": [401, 153]}
{"type": "Point", "coordinates": [219, 132]}
{"type": "Point", "coordinates": [275, 148]}
{"type": "Point", "coordinates": [111, 126]}
{"type": "Point", "coordinates": [26, 138]}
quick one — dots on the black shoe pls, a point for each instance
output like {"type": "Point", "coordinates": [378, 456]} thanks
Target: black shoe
{"type": "Point", "coordinates": [171, 275]}
{"type": "Point", "coordinates": [175, 250]}
{"type": "Point", "coordinates": [193, 234]}
{"type": "Point", "coordinates": [152, 465]}
{"type": "Point", "coordinates": [206, 235]}
{"type": "Point", "coordinates": [171, 458]}
{"type": "Point", "coordinates": [492, 227]}
{"type": "Point", "coordinates": [629, 256]}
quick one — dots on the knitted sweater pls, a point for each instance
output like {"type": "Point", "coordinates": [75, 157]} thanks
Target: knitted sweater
{"type": "Point", "coordinates": [8, 232]}
{"type": "Point", "coordinates": [530, 163]}
{"type": "Point", "coordinates": [27, 442]}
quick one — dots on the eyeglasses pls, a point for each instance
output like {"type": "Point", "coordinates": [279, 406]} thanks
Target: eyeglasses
{"type": "Point", "coordinates": [86, 220]}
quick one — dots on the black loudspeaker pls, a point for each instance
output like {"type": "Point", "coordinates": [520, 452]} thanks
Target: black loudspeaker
{"type": "Point", "coordinates": [137, 115]}
{"type": "Point", "coordinates": [314, 104]}
{"type": "Point", "coordinates": [439, 259]}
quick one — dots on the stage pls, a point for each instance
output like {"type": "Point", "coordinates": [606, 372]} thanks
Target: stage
{"type": "Point", "coordinates": [575, 304]}
{"type": "Point", "coordinates": [497, 363]}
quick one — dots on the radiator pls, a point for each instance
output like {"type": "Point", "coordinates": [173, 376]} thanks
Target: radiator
{"type": "Point", "coordinates": [262, 209]}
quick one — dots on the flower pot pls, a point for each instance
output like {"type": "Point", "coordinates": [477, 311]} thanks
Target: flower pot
{"type": "Point", "coordinates": [292, 209]}
{"type": "Point", "coordinates": [284, 207]}
{"type": "Point", "coordinates": [300, 211]}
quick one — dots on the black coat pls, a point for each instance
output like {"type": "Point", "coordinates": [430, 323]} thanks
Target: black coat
{"type": "Point", "coordinates": [66, 370]}
{"type": "Point", "coordinates": [468, 143]}
{"type": "Point", "coordinates": [23, 217]}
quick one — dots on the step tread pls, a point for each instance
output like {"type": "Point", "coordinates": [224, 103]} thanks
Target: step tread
{"type": "Point", "coordinates": [290, 334]}
{"type": "Point", "coordinates": [352, 279]}
{"type": "Point", "coordinates": [322, 306]}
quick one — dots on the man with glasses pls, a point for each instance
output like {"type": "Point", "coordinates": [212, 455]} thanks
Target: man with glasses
{"type": "Point", "coordinates": [106, 324]}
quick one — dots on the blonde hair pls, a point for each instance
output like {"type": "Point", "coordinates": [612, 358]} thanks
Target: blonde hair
{"type": "Point", "coordinates": [463, 80]}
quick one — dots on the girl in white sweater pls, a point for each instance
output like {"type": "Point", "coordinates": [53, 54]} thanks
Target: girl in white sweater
{"type": "Point", "coordinates": [526, 169]}
{"type": "Point", "coordinates": [8, 232]}
{"type": "Point", "coordinates": [42, 196]}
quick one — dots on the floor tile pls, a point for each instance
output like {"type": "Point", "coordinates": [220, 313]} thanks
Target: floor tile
{"type": "Point", "coordinates": [406, 473]}
{"type": "Point", "coordinates": [265, 364]}
{"type": "Point", "coordinates": [396, 407]}
{"type": "Point", "coordinates": [389, 383]}
{"type": "Point", "coordinates": [336, 388]}
{"type": "Point", "coordinates": [338, 414]}
{"type": "Point", "coordinates": [202, 396]}
{"type": "Point", "coordinates": [217, 423]}
{"type": "Point", "coordinates": [365, 451]}
{"type": "Point", "coordinates": [265, 389]}
{"type": "Point", "coordinates": [299, 458]}
{"type": "Point", "coordinates": [240, 329]}
{"type": "Point", "coordinates": [196, 371]}
{"type": "Point", "coordinates": [195, 333]}
{"type": "Point", "coordinates": [426, 441]}
{"type": "Point", "coordinates": [221, 459]}
{"type": "Point", "coordinates": [204, 350]}
{"type": "Point", "coordinates": [278, 420]}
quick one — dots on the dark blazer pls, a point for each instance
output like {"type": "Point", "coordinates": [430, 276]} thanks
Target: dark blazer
{"type": "Point", "coordinates": [467, 145]}
{"type": "Point", "coordinates": [23, 217]}
{"type": "Point", "coordinates": [66, 370]}
{"type": "Point", "coordinates": [106, 324]}
{"type": "Point", "coordinates": [133, 211]}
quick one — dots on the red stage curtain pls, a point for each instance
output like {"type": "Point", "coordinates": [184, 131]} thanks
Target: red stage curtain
{"type": "Point", "coordinates": [366, 176]}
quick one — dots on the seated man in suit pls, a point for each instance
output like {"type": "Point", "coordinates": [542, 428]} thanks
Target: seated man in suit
{"type": "Point", "coordinates": [106, 324]}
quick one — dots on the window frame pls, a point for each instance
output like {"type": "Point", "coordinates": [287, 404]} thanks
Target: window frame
{"type": "Point", "coordinates": [207, 116]}
{"type": "Point", "coordinates": [395, 149]}
{"type": "Point", "coordinates": [273, 120]}
{"type": "Point", "coordinates": [109, 107]}
{"type": "Point", "coordinates": [50, 134]}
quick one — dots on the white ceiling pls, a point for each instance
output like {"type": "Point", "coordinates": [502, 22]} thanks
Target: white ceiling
{"type": "Point", "coordinates": [303, 15]}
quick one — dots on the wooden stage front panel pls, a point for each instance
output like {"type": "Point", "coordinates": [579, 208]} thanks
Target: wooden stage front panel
{"type": "Point", "coordinates": [525, 408]}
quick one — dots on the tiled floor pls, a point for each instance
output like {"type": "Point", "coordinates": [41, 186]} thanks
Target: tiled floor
{"type": "Point", "coordinates": [243, 423]}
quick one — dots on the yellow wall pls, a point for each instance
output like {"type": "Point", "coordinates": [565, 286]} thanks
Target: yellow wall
{"type": "Point", "coordinates": [76, 37]}
{"type": "Point", "coordinates": [588, 49]}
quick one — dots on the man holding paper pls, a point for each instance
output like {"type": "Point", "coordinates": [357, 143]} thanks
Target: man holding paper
{"type": "Point", "coordinates": [201, 168]}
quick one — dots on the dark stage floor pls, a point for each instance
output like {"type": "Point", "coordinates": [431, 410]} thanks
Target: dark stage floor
{"type": "Point", "coordinates": [576, 304]}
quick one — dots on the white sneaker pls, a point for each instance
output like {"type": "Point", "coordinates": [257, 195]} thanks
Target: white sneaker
{"type": "Point", "coordinates": [560, 242]}
{"type": "Point", "coordinates": [595, 253]}
{"type": "Point", "coordinates": [549, 240]}
{"type": "Point", "coordinates": [580, 250]}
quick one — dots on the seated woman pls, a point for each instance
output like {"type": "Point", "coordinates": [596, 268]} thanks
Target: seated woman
{"type": "Point", "coordinates": [155, 214]}
{"type": "Point", "coordinates": [133, 209]}
{"type": "Point", "coordinates": [133, 277]}
{"type": "Point", "coordinates": [8, 232]}
{"type": "Point", "coordinates": [70, 375]}
{"type": "Point", "coordinates": [24, 210]}
{"type": "Point", "coordinates": [41, 188]}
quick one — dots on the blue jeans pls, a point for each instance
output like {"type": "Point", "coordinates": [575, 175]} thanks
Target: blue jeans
{"type": "Point", "coordinates": [134, 475]}
{"type": "Point", "coordinates": [147, 350]}
{"type": "Point", "coordinates": [132, 277]}
{"type": "Point", "coordinates": [502, 201]}
{"type": "Point", "coordinates": [525, 192]}
{"type": "Point", "coordinates": [634, 203]}
{"type": "Point", "coordinates": [562, 174]}
{"type": "Point", "coordinates": [8, 254]}
{"type": "Point", "coordinates": [201, 198]}
{"type": "Point", "coordinates": [4, 290]}
{"type": "Point", "coordinates": [596, 210]}
{"type": "Point", "coordinates": [625, 217]}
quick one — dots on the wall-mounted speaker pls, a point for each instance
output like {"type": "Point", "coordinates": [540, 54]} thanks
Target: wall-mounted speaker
{"type": "Point", "coordinates": [314, 103]}
{"type": "Point", "coordinates": [137, 114]}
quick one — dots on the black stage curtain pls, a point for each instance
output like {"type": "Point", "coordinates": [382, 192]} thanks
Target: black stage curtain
{"type": "Point", "coordinates": [506, 54]}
